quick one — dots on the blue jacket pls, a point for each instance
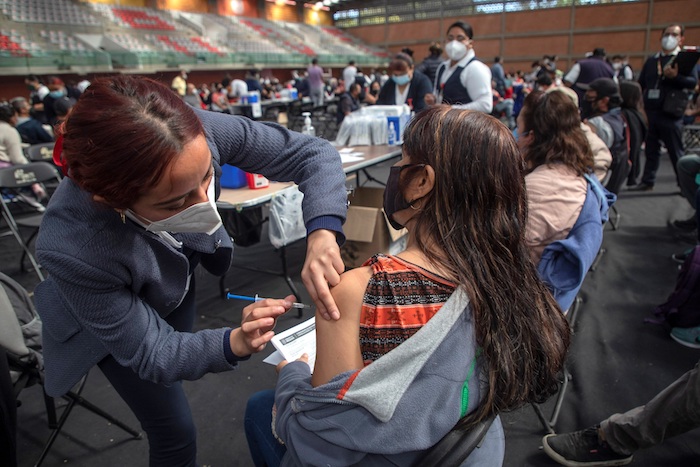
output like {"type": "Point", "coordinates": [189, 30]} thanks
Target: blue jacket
{"type": "Point", "coordinates": [110, 284]}
{"type": "Point", "coordinates": [395, 409]}
{"type": "Point", "coordinates": [564, 263]}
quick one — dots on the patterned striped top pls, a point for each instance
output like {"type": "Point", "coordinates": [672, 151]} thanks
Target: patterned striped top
{"type": "Point", "coordinates": [400, 298]}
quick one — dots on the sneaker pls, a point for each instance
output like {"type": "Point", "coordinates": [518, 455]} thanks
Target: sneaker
{"type": "Point", "coordinates": [689, 337]}
{"type": "Point", "coordinates": [681, 257]}
{"type": "Point", "coordinates": [641, 187]}
{"type": "Point", "coordinates": [582, 448]}
{"type": "Point", "coordinates": [687, 225]}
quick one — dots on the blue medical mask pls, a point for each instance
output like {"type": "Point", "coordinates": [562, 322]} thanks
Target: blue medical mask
{"type": "Point", "coordinates": [401, 79]}
{"type": "Point", "coordinates": [56, 94]}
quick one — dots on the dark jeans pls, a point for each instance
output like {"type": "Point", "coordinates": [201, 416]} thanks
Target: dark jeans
{"type": "Point", "coordinates": [265, 450]}
{"type": "Point", "coordinates": [668, 130]}
{"type": "Point", "coordinates": [162, 409]}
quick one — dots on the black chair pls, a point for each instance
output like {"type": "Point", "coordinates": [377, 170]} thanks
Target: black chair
{"type": "Point", "coordinates": [20, 337]}
{"type": "Point", "coordinates": [456, 446]}
{"type": "Point", "coordinates": [42, 152]}
{"type": "Point", "coordinates": [568, 255]}
{"type": "Point", "coordinates": [15, 181]}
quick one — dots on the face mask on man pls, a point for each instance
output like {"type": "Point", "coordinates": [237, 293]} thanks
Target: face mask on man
{"type": "Point", "coordinates": [201, 217]}
{"type": "Point", "coordinates": [587, 109]}
{"type": "Point", "coordinates": [669, 42]}
{"type": "Point", "coordinates": [401, 79]}
{"type": "Point", "coordinates": [617, 66]}
{"type": "Point", "coordinates": [456, 50]}
{"type": "Point", "coordinates": [57, 94]}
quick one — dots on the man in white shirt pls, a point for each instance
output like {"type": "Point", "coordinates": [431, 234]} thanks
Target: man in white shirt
{"type": "Point", "coordinates": [238, 88]}
{"type": "Point", "coordinates": [349, 74]}
{"type": "Point", "coordinates": [462, 81]}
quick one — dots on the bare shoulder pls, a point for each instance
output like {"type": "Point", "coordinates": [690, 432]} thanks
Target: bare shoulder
{"type": "Point", "coordinates": [337, 341]}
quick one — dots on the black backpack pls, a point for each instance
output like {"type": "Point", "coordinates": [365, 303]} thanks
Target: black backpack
{"type": "Point", "coordinates": [682, 309]}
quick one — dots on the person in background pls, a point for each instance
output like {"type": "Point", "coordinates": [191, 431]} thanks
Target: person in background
{"type": "Point", "coordinates": [57, 90]}
{"type": "Point", "coordinates": [462, 81]}
{"type": "Point", "coordinates": [372, 93]}
{"type": "Point", "coordinates": [557, 156]}
{"type": "Point", "coordinates": [192, 97]}
{"type": "Point", "coordinates": [36, 97]}
{"type": "Point", "coordinates": [62, 107]}
{"type": "Point", "coordinates": [498, 75]}
{"type": "Point", "coordinates": [601, 154]}
{"type": "Point", "coordinates": [252, 81]}
{"type": "Point", "coordinates": [673, 411]}
{"type": "Point", "coordinates": [432, 320]}
{"type": "Point", "coordinates": [11, 154]}
{"type": "Point", "coordinates": [659, 78]}
{"type": "Point", "coordinates": [621, 68]}
{"type": "Point", "coordinates": [316, 83]}
{"type": "Point", "coordinates": [349, 73]}
{"type": "Point", "coordinates": [637, 123]}
{"type": "Point", "coordinates": [127, 228]}
{"type": "Point", "coordinates": [587, 70]}
{"type": "Point", "coordinates": [179, 83]}
{"type": "Point", "coordinates": [29, 128]}
{"type": "Point", "coordinates": [431, 63]}
{"type": "Point", "coordinates": [407, 86]}
{"type": "Point", "coordinates": [349, 102]}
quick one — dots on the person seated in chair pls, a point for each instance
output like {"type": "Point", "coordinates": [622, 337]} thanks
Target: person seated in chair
{"type": "Point", "coordinates": [558, 157]}
{"type": "Point", "coordinates": [428, 339]}
{"type": "Point", "coordinates": [602, 112]}
{"type": "Point", "coordinates": [29, 128]}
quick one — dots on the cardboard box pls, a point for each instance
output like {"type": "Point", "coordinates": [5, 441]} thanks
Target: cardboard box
{"type": "Point", "coordinates": [367, 230]}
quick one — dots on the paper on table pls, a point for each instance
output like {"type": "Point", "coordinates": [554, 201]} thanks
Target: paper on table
{"type": "Point", "coordinates": [352, 157]}
{"type": "Point", "coordinates": [296, 341]}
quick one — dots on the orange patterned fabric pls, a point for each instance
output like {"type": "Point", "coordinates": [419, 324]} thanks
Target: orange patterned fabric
{"type": "Point", "coordinates": [400, 298]}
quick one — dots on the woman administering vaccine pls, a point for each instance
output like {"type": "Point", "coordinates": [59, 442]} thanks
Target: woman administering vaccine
{"type": "Point", "coordinates": [463, 81]}
{"type": "Point", "coordinates": [406, 85]}
{"type": "Point", "coordinates": [131, 221]}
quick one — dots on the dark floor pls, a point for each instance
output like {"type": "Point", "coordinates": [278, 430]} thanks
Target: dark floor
{"type": "Point", "coordinates": [617, 360]}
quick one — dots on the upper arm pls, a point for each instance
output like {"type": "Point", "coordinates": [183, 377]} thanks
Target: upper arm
{"type": "Point", "coordinates": [338, 342]}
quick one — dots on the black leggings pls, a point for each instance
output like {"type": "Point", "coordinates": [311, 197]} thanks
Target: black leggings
{"type": "Point", "coordinates": [162, 409]}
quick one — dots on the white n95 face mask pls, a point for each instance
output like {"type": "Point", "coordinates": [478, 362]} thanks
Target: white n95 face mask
{"type": "Point", "coordinates": [201, 217]}
{"type": "Point", "coordinates": [669, 42]}
{"type": "Point", "coordinates": [456, 50]}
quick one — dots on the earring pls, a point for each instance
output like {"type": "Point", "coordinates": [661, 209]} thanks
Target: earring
{"type": "Point", "coordinates": [414, 208]}
{"type": "Point", "coordinates": [122, 216]}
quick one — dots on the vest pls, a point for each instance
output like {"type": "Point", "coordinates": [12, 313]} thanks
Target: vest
{"type": "Point", "coordinates": [620, 154]}
{"type": "Point", "coordinates": [453, 92]}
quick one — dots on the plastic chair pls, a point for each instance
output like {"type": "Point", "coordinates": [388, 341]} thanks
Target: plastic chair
{"type": "Point", "coordinates": [20, 336]}
{"type": "Point", "coordinates": [40, 152]}
{"type": "Point", "coordinates": [564, 265]}
{"type": "Point", "coordinates": [12, 181]}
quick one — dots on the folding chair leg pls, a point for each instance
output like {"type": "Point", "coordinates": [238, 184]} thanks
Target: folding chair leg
{"type": "Point", "coordinates": [549, 423]}
{"type": "Point", "coordinates": [614, 217]}
{"type": "Point", "coordinates": [80, 400]}
{"type": "Point", "coordinates": [24, 246]}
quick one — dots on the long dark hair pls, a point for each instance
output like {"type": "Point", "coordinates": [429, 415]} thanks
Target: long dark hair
{"type": "Point", "coordinates": [631, 93]}
{"type": "Point", "coordinates": [555, 123]}
{"type": "Point", "coordinates": [122, 134]}
{"type": "Point", "coordinates": [473, 223]}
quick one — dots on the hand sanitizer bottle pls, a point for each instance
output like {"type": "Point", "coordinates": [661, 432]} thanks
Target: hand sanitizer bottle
{"type": "Point", "coordinates": [308, 128]}
{"type": "Point", "coordinates": [392, 134]}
